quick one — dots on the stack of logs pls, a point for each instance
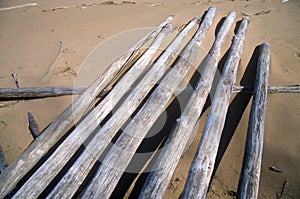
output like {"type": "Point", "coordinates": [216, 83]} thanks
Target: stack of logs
{"type": "Point", "coordinates": [60, 160]}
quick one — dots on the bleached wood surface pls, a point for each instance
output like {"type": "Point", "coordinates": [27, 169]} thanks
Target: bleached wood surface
{"type": "Point", "coordinates": [38, 92]}
{"type": "Point", "coordinates": [118, 158]}
{"type": "Point", "coordinates": [161, 174]}
{"type": "Point", "coordinates": [55, 163]}
{"type": "Point", "coordinates": [16, 170]}
{"type": "Point", "coordinates": [104, 135]}
{"type": "Point", "coordinates": [203, 164]}
{"type": "Point", "coordinates": [270, 89]}
{"type": "Point", "coordinates": [250, 174]}
{"type": "Point", "coordinates": [44, 92]}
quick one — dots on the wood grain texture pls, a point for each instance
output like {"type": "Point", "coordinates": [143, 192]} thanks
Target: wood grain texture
{"type": "Point", "coordinates": [38, 92]}
{"type": "Point", "coordinates": [270, 89]}
{"type": "Point", "coordinates": [104, 135]}
{"type": "Point", "coordinates": [120, 155]}
{"type": "Point", "coordinates": [202, 166]}
{"type": "Point", "coordinates": [56, 91]}
{"type": "Point", "coordinates": [66, 187]}
{"type": "Point", "coordinates": [250, 174]}
{"type": "Point", "coordinates": [159, 178]}
{"type": "Point", "coordinates": [66, 119]}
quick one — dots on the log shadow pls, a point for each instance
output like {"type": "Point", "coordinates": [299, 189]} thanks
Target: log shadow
{"type": "Point", "coordinates": [154, 140]}
{"type": "Point", "coordinates": [237, 108]}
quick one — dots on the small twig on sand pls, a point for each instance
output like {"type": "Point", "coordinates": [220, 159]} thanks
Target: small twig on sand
{"type": "Point", "coordinates": [19, 6]}
{"type": "Point", "coordinates": [49, 67]}
{"type": "Point", "coordinates": [263, 12]}
{"type": "Point", "coordinates": [282, 190]}
{"type": "Point", "coordinates": [33, 125]}
{"type": "Point", "coordinates": [68, 69]}
{"type": "Point", "coordinates": [14, 75]}
{"type": "Point", "coordinates": [273, 168]}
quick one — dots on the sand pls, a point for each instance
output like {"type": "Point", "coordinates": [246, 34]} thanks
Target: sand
{"type": "Point", "coordinates": [29, 43]}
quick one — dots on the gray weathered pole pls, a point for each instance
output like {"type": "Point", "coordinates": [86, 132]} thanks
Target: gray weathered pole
{"type": "Point", "coordinates": [161, 174]}
{"type": "Point", "coordinates": [38, 92]}
{"type": "Point", "coordinates": [250, 174]}
{"type": "Point", "coordinates": [66, 119]}
{"type": "Point", "coordinates": [56, 91]}
{"type": "Point", "coordinates": [202, 166]}
{"type": "Point", "coordinates": [270, 89]}
{"type": "Point", "coordinates": [118, 158]}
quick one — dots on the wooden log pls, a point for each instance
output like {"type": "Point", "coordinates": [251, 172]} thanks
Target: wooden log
{"type": "Point", "coordinates": [120, 155]}
{"type": "Point", "coordinates": [38, 92]}
{"type": "Point", "coordinates": [250, 174]}
{"type": "Point", "coordinates": [55, 91]}
{"type": "Point", "coordinates": [270, 89]}
{"type": "Point", "coordinates": [33, 125]}
{"type": "Point", "coordinates": [161, 174]}
{"type": "Point", "coordinates": [51, 167]}
{"type": "Point", "coordinates": [203, 164]}
{"type": "Point", "coordinates": [3, 162]}
{"type": "Point", "coordinates": [101, 140]}
{"type": "Point", "coordinates": [66, 119]}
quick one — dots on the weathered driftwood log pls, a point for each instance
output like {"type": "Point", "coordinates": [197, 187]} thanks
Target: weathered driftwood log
{"type": "Point", "coordinates": [270, 89]}
{"type": "Point", "coordinates": [250, 174]}
{"type": "Point", "coordinates": [120, 155]}
{"type": "Point", "coordinates": [101, 140]}
{"type": "Point", "coordinates": [66, 119]}
{"type": "Point", "coordinates": [161, 174]}
{"type": "Point", "coordinates": [32, 125]}
{"type": "Point", "coordinates": [203, 164]}
{"type": "Point", "coordinates": [3, 162]}
{"type": "Point", "coordinates": [52, 166]}
{"type": "Point", "coordinates": [55, 91]}
{"type": "Point", "coordinates": [38, 92]}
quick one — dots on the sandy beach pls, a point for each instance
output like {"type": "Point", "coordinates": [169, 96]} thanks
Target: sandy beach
{"type": "Point", "coordinates": [46, 45]}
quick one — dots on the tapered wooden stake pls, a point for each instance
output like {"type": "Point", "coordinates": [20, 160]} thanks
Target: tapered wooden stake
{"type": "Point", "coordinates": [161, 174]}
{"type": "Point", "coordinates": [104, 135]}
{"type": "Point", "coordinates": [250, 174]}
{"type": "Point", "coordinates": [33, 125]}
{"type": "Point", "coordinates": [118, 158]}
{"type": "Point", "coordinates": [66, 119]}
{"type": "Point", "coordinates": [203, 164]}
{"type": "Point", "coordinates": [3, 162]}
